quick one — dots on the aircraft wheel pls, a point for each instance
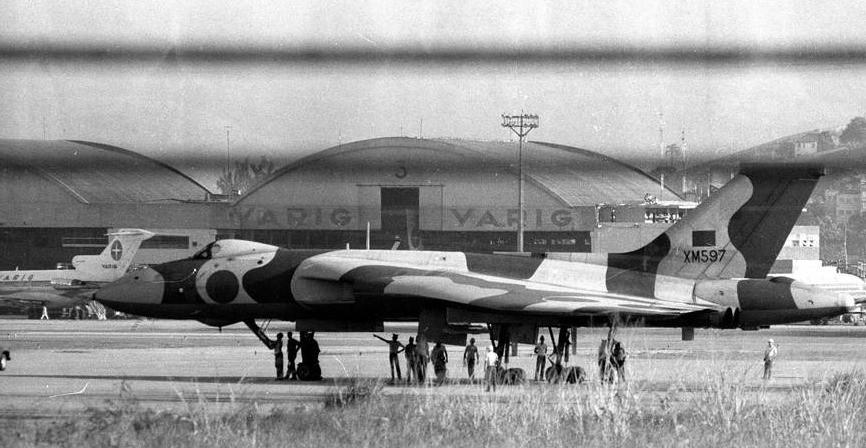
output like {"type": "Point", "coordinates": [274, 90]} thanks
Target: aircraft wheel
{"type": "Point", "coordinates": [304, 372]}
{"type": "Point", "coordinates": [575, 375]}
{"type": "Point", "coordinates": [552, 375]}
{"type": "Point", "coordinates": [308, 373]}
{"type": "Point", "coordinates": [514, 376]}
{"type": "Point", "coordinates": [500, 375]}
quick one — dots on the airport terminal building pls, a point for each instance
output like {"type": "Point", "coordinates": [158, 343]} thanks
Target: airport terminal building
{"type": "Point", "coordinates": [58, 198]}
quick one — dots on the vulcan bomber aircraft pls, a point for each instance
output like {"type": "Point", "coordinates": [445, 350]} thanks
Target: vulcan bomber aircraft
{"type": "Point", "coordinates": [708, 270]}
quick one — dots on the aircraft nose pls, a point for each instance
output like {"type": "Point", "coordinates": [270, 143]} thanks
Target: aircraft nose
{"type": "Point", "coordinates": [143, 286]}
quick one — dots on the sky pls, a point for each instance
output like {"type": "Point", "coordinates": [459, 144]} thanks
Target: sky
{"type": "Point", "coordinates": [178, 110]}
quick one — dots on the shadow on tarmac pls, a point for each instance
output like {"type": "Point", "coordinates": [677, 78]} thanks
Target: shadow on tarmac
{"type": "Point", "coordinates": [780, 384]}
{"type": "Point", "coordinates": [341, 381]}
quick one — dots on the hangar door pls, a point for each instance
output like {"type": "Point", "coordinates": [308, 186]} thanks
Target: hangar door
{"type": "Point", "coordinates": [400, 212]}
{"type": "Point", "coordinates": [406, 210]}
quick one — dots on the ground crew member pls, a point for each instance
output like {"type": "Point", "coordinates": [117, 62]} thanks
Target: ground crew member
{"type": "Point", "coordinates": [4, 358]}
{"type": "Point", "coordinates": [409, 351]}
{"type": "Point", "coordinates": [292, 347]}
{"type": "Point", "coordinates": [278, 355]}
{"type": "Point", "coordinates": [470, 357]}
{"type": "Point", "coordinates": [604, 367]}
{"type": "Point", "coordinates": [310, 352]}
{"type": "Point", "coordinates": [422, 356]}
{"type": "Point", "coordinates": [540, 358]}
{"type": "Point", "coordinates": [440, 358]}
{"type": "Point", "coordinates": [566, 345]}
{"type": "Point", "coordinates": [617, 359]}
{"type": "Point", "coordinates": [394, 349]}
{"type": "Point", "coordinates": [491, 363]}
{"type": "Point", "coordinates": [314, 351]}
{"type": "Point", "coordinates": [769, 357]}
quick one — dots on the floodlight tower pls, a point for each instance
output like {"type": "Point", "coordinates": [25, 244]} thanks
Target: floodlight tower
{"type": "Point", "coordinates": [228, 147]}
{"type": "Point", "coordinates": [520, 125]}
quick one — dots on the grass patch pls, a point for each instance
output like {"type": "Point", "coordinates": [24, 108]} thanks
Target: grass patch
{"type": "Point", "coordinates": [722, 413]}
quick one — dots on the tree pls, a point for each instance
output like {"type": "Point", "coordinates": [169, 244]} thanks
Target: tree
{"type": "Point", "coordinates": [243, 175]}
{"type": "Point", "coordinates": [855, 131]}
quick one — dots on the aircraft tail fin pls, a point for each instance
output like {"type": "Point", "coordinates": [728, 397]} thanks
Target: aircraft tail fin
{"type": "Point", "coordinates": [114, 260]}
{"type": "Point", "coordinates": [736, 233]}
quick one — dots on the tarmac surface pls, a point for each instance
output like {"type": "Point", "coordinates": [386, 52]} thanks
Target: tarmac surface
{"type": "Point", "coordinates": [64, 366]}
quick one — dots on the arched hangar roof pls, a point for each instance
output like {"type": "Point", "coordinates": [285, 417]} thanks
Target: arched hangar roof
{"type": "Point", "coordinates": [574, 176]}
{"type": "Point", "coordinates": [94, 173]}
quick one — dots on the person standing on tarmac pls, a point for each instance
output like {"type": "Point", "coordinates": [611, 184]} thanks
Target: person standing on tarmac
{"type": "Point", "coordinates": [566, 346]}
{"type": "Point", "coordinates": [292, 347]}
{"type": "Point", "coordinates": [770, 354]}
{"type": "Point", "coordinates": [440, 358]}
{"type": "Point", "coordinates": [277, 346]}
{"type": "Point", "coordinates": [604, 367]}
{"type": "Point", "coordinates": [470, 358]}
{"type": "Point", "coordinates": [314, 352]}
{"type": "Point", "coordinates": [540, 358]}
{"type": "Point", "coordinates": [394, 349]}
{"type": "Point", "coordinates": [617, 359]}
{"type": "Point", "coordinates": [491, 361]}
{"type": "Point", "coordinates": [422, 357]}
{"type": "Point", "coordinates": [409, 351]}
{"type": "Point", "coordinates": [310, 353]}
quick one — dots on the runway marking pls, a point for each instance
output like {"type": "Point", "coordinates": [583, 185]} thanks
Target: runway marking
{"type": "Point", "coordinates": [72, 393]}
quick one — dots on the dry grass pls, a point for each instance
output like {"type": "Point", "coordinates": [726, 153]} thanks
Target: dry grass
{"type": "Point", "coordinates": [723, 412]}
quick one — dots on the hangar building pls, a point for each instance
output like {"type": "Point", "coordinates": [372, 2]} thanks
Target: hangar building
{"type": "Point", "coordinates": [58, 198]}
{"type": "Point", "coordinates": [452, 194]}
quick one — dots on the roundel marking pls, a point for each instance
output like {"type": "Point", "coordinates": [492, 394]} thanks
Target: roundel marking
{"type": "Point", "coordinates": [116, 250]}
{"type": "Point", "coordinates": [222, 286]}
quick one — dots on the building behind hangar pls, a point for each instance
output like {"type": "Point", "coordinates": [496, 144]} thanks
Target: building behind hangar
{"type": "Point", "coordinates": [454, 194]}
{"type": "Point", "coordinates": [58, 199]}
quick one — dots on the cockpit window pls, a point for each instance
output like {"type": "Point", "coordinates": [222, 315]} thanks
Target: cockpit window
{"type": "Point", "coordinates": [232, 248]}
{"type": "Point", "coordinates": [205, 254]}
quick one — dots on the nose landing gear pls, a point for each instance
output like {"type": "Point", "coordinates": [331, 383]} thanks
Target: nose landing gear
{"type": "Point", "coordinates": [308, 369]}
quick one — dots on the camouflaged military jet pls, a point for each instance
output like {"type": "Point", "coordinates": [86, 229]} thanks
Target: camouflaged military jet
{"type": "Point", "coordinates": [708, 270]}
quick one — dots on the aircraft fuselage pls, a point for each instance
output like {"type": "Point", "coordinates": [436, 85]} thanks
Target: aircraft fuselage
{"type": "Point", "coordinates": [367, 286]}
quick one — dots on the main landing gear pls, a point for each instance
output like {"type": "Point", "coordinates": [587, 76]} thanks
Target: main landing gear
{"type": "Point", "coordinates": [309, 369]}
{"type": "Point", "coordinates": [509, 376]}
{"type": "Point", "coordinates": [500, 338]}
{"type": "Point", "coordinates": [558, 372]}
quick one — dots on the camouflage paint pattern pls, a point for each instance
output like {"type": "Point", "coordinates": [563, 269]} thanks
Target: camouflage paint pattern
{"type": "Point", "coordinates": [710, 268]}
